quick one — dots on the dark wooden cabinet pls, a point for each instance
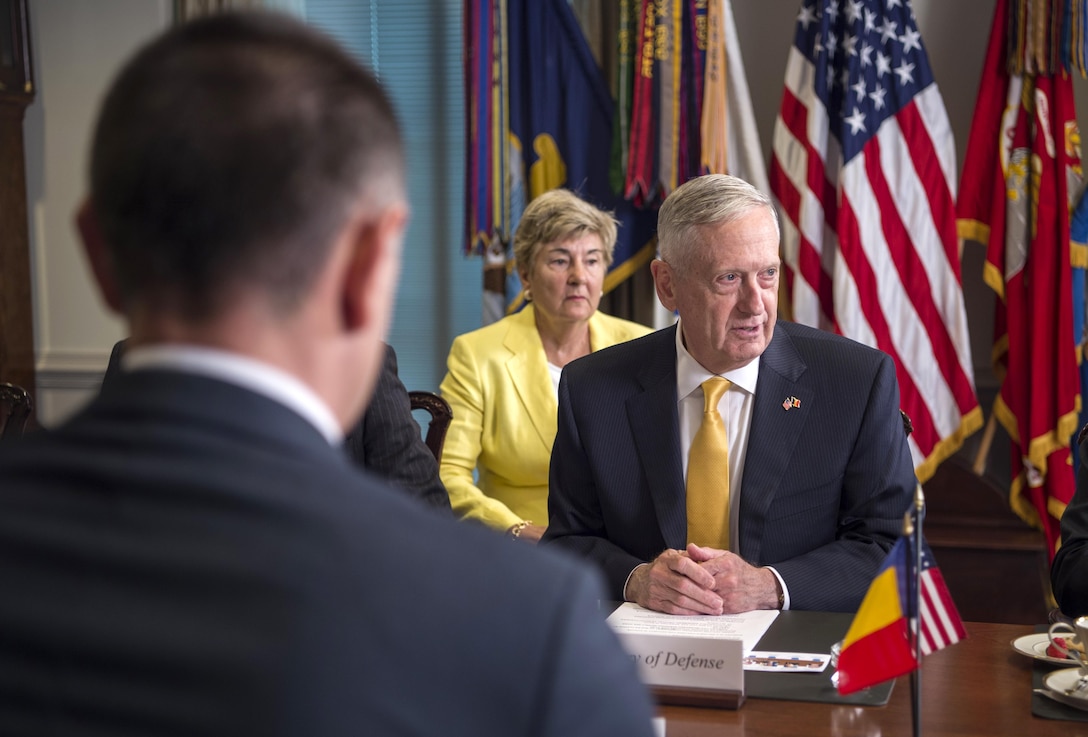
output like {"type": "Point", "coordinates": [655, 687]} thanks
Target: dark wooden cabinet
{"type": "Point", "coordinates": [996, 567]}
{"type": "Point", "coordinates": [16, 93]}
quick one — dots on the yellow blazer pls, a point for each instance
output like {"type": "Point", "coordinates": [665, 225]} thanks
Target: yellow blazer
{"type": "Point", "coordinates": [504, 417]}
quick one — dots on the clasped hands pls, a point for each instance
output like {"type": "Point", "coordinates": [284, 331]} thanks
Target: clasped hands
{"type": "Point", "coordinates": [702, 581]}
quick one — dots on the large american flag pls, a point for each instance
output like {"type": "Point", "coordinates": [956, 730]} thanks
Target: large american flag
{"type": "Point", "coordinates": [864, 171]}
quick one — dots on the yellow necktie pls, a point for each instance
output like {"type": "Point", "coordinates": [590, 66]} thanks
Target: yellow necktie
{"type": "Point", "coordinates": [708, 473]}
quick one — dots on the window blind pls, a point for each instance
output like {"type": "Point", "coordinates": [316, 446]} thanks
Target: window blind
{"type": "Point", "coordinates": [414, 47]}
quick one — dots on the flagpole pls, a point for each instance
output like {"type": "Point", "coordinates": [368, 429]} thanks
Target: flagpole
{"type": "Point", "coordinates": [912, 527]}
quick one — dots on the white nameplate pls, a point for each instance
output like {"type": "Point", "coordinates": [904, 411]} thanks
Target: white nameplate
{"type": "Point", "coordinates": [687, 662]}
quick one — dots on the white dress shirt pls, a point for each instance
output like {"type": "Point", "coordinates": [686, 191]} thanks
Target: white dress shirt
{"type": "Point", "coordinates": [556, 372]}
{"type": "Point", "coordinates": [735, 408]}
{"type": "Point", "coordinates": [247, 373]}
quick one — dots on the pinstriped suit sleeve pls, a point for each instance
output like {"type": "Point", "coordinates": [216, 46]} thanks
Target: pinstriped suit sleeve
{"type": "Point", "coordinates": [576, 520]}
{"type": "Point", "coordinates": [387, 441]}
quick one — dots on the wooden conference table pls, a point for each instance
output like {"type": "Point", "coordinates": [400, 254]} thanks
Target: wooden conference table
{"type": "Point", "coordinates": [980, 686]}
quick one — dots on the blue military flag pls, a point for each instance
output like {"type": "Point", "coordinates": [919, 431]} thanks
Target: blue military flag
{"type": "Point", "coordinates": [546, 123]}
{"type": "Point", "coordinates": [541, 116]}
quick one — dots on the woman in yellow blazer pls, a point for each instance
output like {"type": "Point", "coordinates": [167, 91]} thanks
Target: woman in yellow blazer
{"type": "Point", "coordinates": [502, 380]}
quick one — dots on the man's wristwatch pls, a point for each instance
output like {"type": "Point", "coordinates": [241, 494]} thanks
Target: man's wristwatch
{"type": "Point", "coordinates": [781, 593]}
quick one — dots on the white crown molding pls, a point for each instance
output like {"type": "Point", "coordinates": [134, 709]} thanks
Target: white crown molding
{"type": "Point", "coordinates": [68, 369]}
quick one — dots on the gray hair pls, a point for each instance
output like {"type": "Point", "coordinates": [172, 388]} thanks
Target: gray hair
{"type": "Point", "coordinates": [707, 200]}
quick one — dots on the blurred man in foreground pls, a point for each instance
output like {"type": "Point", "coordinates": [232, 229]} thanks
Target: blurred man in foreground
{"type": "Point", "coordinates": [192, 554]}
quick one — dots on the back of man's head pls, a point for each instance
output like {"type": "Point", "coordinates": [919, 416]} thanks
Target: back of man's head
{"type": "Point", "coordinates": [230, 152]}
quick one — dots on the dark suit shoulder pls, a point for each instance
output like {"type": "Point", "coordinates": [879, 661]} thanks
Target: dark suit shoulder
{"type": "Point", "coordinates": [810, 338]}
{"type": "Point", "coordinates": [626, 357]}
{"type": "Point", "coordinates": [821, 350]}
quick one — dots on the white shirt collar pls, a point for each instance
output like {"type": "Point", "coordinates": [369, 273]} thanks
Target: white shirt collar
{"type": "Point", "coordinates": [248, 373]}
{"type": "Point", "coordinates": [690, 374]}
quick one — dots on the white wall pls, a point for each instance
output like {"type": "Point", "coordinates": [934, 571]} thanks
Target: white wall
{"type": "Point", "coordinates": [78, 45]}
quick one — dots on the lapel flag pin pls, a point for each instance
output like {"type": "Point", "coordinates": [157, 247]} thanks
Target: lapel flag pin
{"type": "Point", "coordinates": [791, 402]}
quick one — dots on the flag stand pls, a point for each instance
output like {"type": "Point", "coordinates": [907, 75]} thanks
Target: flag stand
{"type": "Point", "coordinates": [912, 529]}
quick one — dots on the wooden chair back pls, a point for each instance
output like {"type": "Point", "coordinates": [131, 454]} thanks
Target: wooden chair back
{"type": "Point", "coordinates": [441, 414]}
{"type": "Point", "coordinates": [15, 408]}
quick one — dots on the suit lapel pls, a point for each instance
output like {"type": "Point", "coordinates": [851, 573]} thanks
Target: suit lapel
{"type": "Point", "coordinates": [655, 426]}
{"type": "Point", "coordinates": [527, 369]}
{"type": "Point", "coordinates": [774, 433]}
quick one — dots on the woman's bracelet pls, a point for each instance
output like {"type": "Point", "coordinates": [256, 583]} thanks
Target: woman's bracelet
{"type": "Point", "coordinates": [515, 530]}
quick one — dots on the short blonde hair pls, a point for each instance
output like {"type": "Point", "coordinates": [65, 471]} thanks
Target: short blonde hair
{"type": "Point", "coordinates": [557, 216]}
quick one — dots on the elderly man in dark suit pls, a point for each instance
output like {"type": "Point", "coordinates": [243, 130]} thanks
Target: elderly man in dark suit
{"type": "Point", "coordinates": [386, 440]}
{"type": "Point", "coordinates": [811, 493]}
{"type": "Point", "coordinates": [193, 553]}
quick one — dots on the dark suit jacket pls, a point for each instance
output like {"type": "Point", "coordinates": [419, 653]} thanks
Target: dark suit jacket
{"type": "Point", "coordinates": [1069, 570]}
{"type": "Point", "coordinates": [825, 484]}
{"type": "Point", "coordinates": [186, 557]}
{"type": "Point", "coordinates": [386, 440]}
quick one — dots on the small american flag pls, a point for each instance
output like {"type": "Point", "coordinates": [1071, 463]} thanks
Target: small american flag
{"type": "Point", "coordinates": [941, 625]}
{"type": "Point", "coordinates": [864, 170]}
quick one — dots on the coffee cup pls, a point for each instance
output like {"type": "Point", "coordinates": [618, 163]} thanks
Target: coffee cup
{"type": "Point", "coordinates": [1070, 640]}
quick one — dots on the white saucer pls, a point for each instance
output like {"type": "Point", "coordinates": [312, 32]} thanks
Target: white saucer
{"type": "Point", "coordinates": [1034, 646]}
{"type": "Point", "coordinates": [1061, 681]}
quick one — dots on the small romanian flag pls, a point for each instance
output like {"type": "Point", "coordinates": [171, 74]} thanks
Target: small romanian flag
{"type": "Point", "coordinates": [878, 646]}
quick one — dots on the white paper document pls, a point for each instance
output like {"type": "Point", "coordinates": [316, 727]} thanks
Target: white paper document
{"type": "Point", "coordinates": [631, 619]}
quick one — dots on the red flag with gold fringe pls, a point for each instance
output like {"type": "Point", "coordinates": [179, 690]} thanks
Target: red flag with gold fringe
{"type": "Point", "coordinates": [1022, 168]}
